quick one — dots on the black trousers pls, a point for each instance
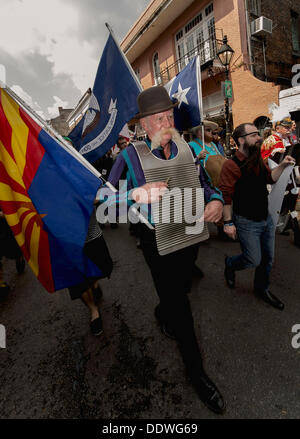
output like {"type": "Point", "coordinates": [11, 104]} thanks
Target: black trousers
{"type": "Point", "coordinates": [97, 251]}
{"type": "Point", "coordinates": [172, 276]}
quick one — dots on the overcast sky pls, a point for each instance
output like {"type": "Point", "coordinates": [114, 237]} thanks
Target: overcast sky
{"type": "Point", "coordinates": [51, 48]}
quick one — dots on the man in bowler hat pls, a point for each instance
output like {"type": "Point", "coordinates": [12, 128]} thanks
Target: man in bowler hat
{"type": "Point", "coordinates": [172, 273]}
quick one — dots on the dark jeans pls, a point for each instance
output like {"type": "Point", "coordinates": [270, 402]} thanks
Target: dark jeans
{"type": "Point", "coordinates": [257, 239]}
{"type": "Point", "coordinates": [172, 276]}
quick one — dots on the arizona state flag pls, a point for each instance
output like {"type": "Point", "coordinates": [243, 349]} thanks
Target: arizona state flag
{"type": "Point", "coordinates": [47, 198]}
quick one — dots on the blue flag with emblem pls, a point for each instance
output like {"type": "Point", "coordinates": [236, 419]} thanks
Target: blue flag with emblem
{"type": "Point", "coordinates": [186, 88]}
{"type": "Point", "coordinates": [112, 103]}
{"type": "Point", "coordinates": [75, 134]}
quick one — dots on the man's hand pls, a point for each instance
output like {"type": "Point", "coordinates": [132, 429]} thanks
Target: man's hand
{"type": "Point", "coordinates": [230, 231]}
{"type": "Point", "coordinates": [213, 211]}
{"type": "Point", "coordinates": [1, 214]}
{"type": "Point", "coordinates": [276, 172]}
{"type": "Point", "coordinates": [149, 192]}
{"type": "Point", "coordinates": [288, 160]}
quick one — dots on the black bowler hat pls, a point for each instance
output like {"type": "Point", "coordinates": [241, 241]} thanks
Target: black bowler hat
{"type": "Point", "coordinates": [154, 100]}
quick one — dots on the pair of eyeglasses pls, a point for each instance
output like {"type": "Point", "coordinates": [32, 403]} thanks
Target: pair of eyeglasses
{"type": "Point", "coordinates": [251, 134]}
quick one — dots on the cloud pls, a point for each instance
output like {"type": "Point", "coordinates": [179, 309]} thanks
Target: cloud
{"type": "Point", "coordinates": [54, 48]}
{"type": "Point", "coordinates": [34, 74]}
{"type": "Point", "coordinates": [94, 14]}
{"type": "Point", "coordinates": [2, 74]}
{"type": "Point", "coordinates": [28, 100]}
{"type": "Point", "coordinates": [51, 30]}
{"type": "Point", "coordinates": [53, 111]}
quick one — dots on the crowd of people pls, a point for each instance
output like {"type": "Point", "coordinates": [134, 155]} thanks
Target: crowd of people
{"type": "Point", "coordinates": [235, 188]}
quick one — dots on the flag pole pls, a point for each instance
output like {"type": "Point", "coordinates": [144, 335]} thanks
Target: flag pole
{"type": "Point", "coordinates": [139, 85]}
{"type": "Point", "coordinates": [66, 146]}
{"type": "Point", "coordinates": [124, 57]}
{"type": "Point", "coordinates": [44, 124]}
{"type": "Point", "coordinates": [200, 98]}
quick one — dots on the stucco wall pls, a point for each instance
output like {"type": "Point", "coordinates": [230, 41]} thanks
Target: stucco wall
{"type": "Point", "coordinates": [251, 97]}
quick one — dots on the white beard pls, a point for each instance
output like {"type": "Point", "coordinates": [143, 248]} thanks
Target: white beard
{"type": "Point", "coordinates": [157, 138]}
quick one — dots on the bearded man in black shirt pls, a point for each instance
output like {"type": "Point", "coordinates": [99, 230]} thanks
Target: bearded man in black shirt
{"type": "Point", "coordinates": [243, 183]}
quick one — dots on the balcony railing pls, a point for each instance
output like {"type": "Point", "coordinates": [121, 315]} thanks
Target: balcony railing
{"type": "Point", "coordinates": [206, 49]}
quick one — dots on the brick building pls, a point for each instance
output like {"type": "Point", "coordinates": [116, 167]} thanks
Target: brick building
{"type": "Point", "coordinates": [59, 123]}
{"type": "Point", "coordinates": [275, 54]}
{"type": "Point", "coordinates": [170, 32]}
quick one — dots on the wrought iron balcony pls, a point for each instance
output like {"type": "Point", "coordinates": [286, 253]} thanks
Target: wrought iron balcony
{"type": "Point", "coordinates": [206, 49]}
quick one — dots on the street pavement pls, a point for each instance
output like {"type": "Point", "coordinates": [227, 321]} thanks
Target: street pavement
{"type": "Point", "coordinates": [53, 367]}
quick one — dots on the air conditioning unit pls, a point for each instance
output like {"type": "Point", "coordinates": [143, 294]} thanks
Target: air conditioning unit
{"type": "Point", "coordinates": [261, 26]}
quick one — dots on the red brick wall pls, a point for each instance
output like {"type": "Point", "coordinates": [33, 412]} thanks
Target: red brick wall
{"type": "Point", "coordinates": [279, 51]}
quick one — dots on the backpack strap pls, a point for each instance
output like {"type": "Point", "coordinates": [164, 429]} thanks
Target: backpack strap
{"type": "Point", "coordinates": [198, 143]}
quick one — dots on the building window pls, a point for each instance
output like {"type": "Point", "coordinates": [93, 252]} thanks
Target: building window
{"type": "Point", "coordinates": [209, 9]}
{"type": "Point", "coordinates": [197, 37]}
{"type": "Point", "coordinates": [193, 23]}
{"type": "Point", "coordinates": [179, 35]}
{"type": "Point", "coordinates": [212, 38]}
{"type": "Point", "coordinates": [295, 31]}
{"type": "Point", "coordinates": [180, 55]}
{"type": "Point", "coordinates": [156, 69]}
{"type": "Point", "coordinates": [254, 6]}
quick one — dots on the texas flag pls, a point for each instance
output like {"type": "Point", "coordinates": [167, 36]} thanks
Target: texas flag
{"type": "Point", "coordinates": [186, 88]}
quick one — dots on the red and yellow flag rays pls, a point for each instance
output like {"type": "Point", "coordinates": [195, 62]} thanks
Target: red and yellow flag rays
{"type": "Point", "coordinates": [20, 157]}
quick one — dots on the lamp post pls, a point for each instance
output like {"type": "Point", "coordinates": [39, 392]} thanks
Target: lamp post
{"type": "Point", "coordinates": [225, 55]}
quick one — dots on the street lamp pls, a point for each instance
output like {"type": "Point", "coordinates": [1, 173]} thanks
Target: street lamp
{"type": "Point", "coordinates": [225, 55]}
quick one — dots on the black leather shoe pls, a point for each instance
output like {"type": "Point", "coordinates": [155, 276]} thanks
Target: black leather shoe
{"type": "Point", "coordinates": [229, 274]}
{"type": "Point", "coordinates": [165, 329]}
{"type": "Point", "coordinates": [269, 298]}
{"type": "Point", "coordinates": [285, 233]}
{"type": "Point", "coordinates": [208, 392]}
{"type": "Point", "coordinates": [96, 326]}
{"type": "Point", "coordinates": [197, 272]}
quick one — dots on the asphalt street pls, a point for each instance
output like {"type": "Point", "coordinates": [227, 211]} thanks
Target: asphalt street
{"type": "Point", "coordinates": [53, 367]}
